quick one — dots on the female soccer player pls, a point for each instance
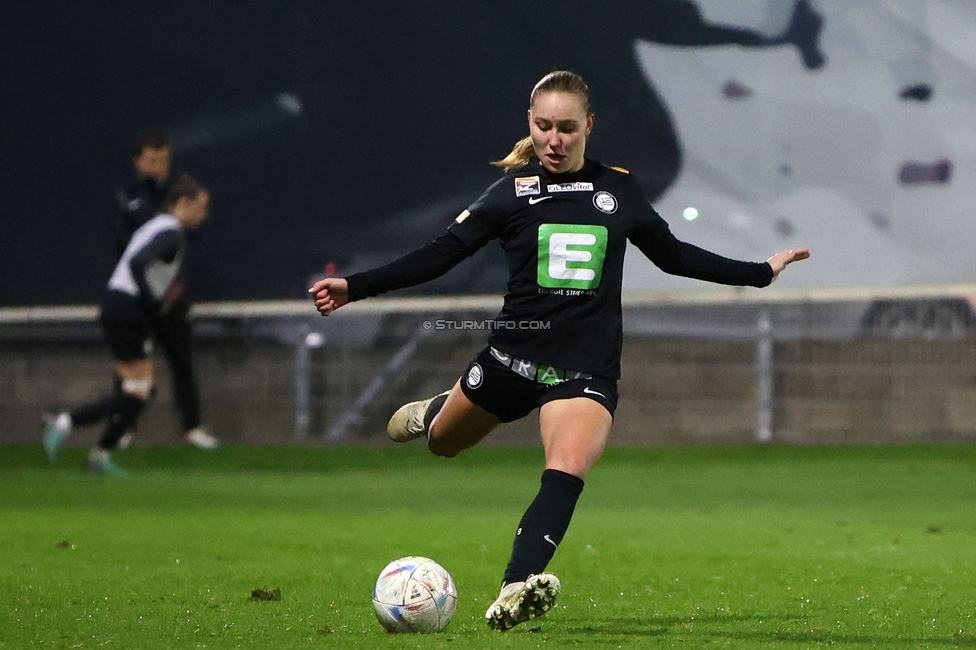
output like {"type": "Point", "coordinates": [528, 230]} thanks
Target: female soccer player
{"type": "Point", "coordinates": [138, 201]}
{"type": "Point", "coordinates": [139, 292]}
{"type": "Point", "coordinates": [564, 221]}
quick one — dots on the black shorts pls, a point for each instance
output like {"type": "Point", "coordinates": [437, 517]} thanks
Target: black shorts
{"type": "Point", "coordinates": [130, 339]}
{"type": "Point", "coordinates": [508, 395]}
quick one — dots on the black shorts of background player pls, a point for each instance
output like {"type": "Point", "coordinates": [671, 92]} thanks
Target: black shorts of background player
{"type": "Point", "coordinates": [136, 297]}
{"type": "Point", "coordinates": [563, 221]}
{"type": "Point", "coordinates": [135, 204]}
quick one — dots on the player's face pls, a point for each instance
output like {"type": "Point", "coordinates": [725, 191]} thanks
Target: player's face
{"type": "Point", "coordinates": [154, 163]}
{"type": "Point", "coordinates": [196, 210]}
{"type": "Point", "coordinates": [559, 127]}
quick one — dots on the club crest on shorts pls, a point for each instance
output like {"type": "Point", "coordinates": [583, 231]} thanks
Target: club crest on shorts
{"type": "Point", "coordinates": [605, 202]}
{"type": "Point", "coordinates": [527, 185]}
{"type": "Point", "coordinates": [475, 376]}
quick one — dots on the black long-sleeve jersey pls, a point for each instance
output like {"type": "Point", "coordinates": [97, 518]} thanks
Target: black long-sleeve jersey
{"type": "Point", "coordinates": [143, 279]}
{"type": "Point", "coordinates": [135, 204]}
{"type": "Point", "coordinates": [564, 236]}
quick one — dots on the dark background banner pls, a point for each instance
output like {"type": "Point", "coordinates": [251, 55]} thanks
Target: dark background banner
{"type": "Point", "coordinates": [348, 133]}
{"type": "Point", "coordinates": [328, 133]}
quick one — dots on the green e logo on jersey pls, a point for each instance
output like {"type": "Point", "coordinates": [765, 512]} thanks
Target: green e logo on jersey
{"type": "Point", "coordinates": [571, 256]}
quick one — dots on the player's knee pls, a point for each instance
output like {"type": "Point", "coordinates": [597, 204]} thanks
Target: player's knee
{"type": "Point", "coordinates": [576, 464]}
{"type": "Point", "coordinates": [138, 388]}
{"type": "Point", "coordinates": [579, 469]}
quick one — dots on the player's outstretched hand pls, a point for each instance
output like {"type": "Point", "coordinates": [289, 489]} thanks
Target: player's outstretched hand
{"type": "Point", "coordinates": [780, 261]}
{"type": "Point", "coordinates": [329, 294]}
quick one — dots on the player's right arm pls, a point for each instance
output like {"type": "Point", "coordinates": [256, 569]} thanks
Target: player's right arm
{"type": "Point", "coordinates": [329, 294]}
{"type": "Point", "coordinates": [471, 230]}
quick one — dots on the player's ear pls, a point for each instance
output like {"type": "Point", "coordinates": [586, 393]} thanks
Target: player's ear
{"type": "Point", "coordinates": [589, 124]}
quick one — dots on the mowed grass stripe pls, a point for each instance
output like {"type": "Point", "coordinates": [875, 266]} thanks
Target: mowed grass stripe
{"type": "Point", "coordinates": [766, 547]}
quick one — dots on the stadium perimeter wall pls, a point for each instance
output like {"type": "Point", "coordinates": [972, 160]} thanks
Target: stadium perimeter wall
{"type": "Point", "coordinates": [673, 390]}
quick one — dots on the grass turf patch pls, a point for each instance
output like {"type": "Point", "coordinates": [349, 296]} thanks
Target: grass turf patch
{"type": "Point", "coordinates": [724, 547]}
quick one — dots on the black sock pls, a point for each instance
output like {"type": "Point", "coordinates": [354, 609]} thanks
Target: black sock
{"type": "Point", "coordinates": [124, 410]}
{"type": "Point", "coordinates": [90, 413]}
{"type": "Point", "coordinates": [96, 411]}
{"type": "Point", "coordinates": [433, 409]}
{"type": "Point", "coordinates": [543, 525]}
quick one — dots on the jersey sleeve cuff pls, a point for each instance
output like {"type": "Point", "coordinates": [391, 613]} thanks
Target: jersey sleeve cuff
{"type": "Point", "coordinates": [356, 287]}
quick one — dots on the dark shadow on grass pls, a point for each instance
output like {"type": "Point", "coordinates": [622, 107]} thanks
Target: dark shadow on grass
{"type": "Point", "coordinates": [661, 625]}
{"type": "Point", "coordinates": [651, 626]}
{"type": "Point", "coordinates": [825, 637]}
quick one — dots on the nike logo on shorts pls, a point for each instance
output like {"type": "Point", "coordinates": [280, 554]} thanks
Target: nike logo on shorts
{"type": "Point", "coordinates": [548, 539]}
{"type": "Point", "coordinates": [593, 392]}
{"type": "Point", "coordinates": [536, 199]}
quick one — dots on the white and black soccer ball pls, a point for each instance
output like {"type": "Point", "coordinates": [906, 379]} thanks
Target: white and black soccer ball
{"type": "Point", "coordinates": [414, 594]}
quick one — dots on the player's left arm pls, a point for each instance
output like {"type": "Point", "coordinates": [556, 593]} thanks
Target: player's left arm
{"type": "Point", "coordinates": [781, 260]}
{"type": "Point", "coordinates": [654, 238]}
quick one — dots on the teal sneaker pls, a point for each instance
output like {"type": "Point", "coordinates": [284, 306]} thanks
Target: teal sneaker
{"type": "Point", "coordinates": [57, 428]}
{"type": "Point", "coordinates": [100, 462]}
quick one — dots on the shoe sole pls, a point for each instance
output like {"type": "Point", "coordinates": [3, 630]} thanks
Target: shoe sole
{"type": "Point", "coordinates": [536, 597]}
{"type": "Point", "coordinates": [200, 444]}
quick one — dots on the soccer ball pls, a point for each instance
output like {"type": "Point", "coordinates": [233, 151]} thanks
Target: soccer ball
{"type": "Point", "coordinates": [414, 594]}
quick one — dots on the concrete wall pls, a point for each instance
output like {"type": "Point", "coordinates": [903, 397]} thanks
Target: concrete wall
{"type": "Point", "coordinates": [672, 391]}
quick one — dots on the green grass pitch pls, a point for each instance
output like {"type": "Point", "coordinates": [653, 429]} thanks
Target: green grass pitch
{"type": "Point", "coordinates": [718, 547]}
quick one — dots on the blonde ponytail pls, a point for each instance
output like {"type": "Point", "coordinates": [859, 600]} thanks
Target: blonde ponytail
{"type": "Point", "coordinates": [521, 154]}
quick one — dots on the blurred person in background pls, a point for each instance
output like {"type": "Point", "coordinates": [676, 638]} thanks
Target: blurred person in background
{"type": "Point", "coordinates": [140, 293]}
{"type": "Point", "coordinates": [136, 203]}
{"type": "Point", "coordinates": [564, 221]}
{"type": "Point", "coordinates": [142, 197]}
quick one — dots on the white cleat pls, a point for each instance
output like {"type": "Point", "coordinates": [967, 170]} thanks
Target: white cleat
{"type": "Point", "coordinates": [200, 437]}
{"type": "Point", "coordinates": [522, 601]}
{"type": "Point", "coordinates": [408, 422]}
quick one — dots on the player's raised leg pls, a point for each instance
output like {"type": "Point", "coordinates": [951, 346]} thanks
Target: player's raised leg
{"type": "Point", "coordinates": [450, 421]}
